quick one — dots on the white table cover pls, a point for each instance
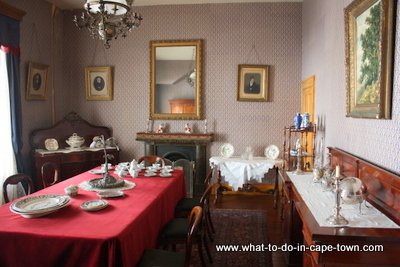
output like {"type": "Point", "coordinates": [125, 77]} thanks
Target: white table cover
{"type": "Point", "coordinates": [321, 203]}
{"type": "Point", "coordinates": [237, 171]}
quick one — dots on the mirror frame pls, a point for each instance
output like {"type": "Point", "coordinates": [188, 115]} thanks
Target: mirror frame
{"type": "Point", "coordinates": [197, 115]}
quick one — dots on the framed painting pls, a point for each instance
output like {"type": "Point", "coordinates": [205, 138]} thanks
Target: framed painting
{"type": "Point", "coordinates": [36, 86]}
{"type": "Point", "coordinates": [369, 39]}
{"type": "Point", "coordinates": [99, 84]}
{"type": "Point", "coordinates": [253, 83]}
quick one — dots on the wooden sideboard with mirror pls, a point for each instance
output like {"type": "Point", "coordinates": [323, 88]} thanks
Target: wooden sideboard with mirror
{"type": "Point", "coordinates": [69, 163]}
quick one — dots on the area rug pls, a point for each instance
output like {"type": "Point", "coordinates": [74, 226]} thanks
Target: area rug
{"type": "Point", "coordinates": [237, 227]}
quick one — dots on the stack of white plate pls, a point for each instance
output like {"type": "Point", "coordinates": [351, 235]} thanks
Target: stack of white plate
{"type": "Point", "coordinates": [37, 206]}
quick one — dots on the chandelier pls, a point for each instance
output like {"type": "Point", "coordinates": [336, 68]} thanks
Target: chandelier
{"type": "Point", "coordinates": [108, 19]}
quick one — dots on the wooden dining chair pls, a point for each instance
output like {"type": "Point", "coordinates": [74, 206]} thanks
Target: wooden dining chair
{"type": "Point", "coordinates": [50, 174]}
{"type": "Point", "coordinates": [15, 179]}
{"type": "Point", "coordinates": [188, 168]}
{"type": "Point", "coordinates": [150, 159]}
{"type": "Point", "coordinates": [175, 231]}
{"type": "Point", "coordinates": [164, 258]}
{"type": "Point", "coordinates": [185, 205]}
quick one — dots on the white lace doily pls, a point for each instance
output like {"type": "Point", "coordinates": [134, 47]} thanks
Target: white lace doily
{"type": "Point", "coordinates": [86, 186]}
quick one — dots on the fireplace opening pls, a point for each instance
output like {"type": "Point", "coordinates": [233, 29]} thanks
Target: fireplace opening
{"type": "Point", "coordinates": [183, 157]}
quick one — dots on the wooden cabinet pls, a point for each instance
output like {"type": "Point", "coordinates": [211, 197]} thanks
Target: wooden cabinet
{"type": "Point", "coordinates": [291, 224]}
{"type": "Point", "coordinates": [70, 163]}
{"type": "Point", "coordinates": [290, 136]}
{"type": "Point", "coordinates": [182, 105]}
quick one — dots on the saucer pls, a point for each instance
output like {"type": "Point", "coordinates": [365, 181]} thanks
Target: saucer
{"type": "Point", "coordinates": [94, 205]}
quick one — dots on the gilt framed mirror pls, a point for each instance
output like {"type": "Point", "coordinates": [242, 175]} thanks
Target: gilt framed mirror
{"type": "Point", "coordinates": [176, 80]}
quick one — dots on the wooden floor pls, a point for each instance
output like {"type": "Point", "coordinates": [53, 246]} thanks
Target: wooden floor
{"type": "Point", "coordinates": [259, 202]}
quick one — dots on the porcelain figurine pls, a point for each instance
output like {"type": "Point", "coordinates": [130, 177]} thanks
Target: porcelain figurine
{"type": "Point", "coordinates": [188, 129]}
{"type": "Point", "coordinates": [161, 128]}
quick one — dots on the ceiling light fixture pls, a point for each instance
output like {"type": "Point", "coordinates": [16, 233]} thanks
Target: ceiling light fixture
{"type": "Point", "coordinates": [106, 20]}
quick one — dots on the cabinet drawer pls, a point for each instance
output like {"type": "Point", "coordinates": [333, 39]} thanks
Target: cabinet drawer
{"type": "Point", "coordinates": [308, 241]}
{"type": "Point", "coordinates": [74, 157]}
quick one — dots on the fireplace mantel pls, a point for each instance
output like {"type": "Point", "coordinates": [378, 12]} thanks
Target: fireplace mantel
{"type": "Point", "coordinates": [180, 138]}
{"type": "Point", "coordinates": [194, 146]}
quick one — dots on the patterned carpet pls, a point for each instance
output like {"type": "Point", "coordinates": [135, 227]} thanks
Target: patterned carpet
{"type": "Point", "coordinates": [237, 227]}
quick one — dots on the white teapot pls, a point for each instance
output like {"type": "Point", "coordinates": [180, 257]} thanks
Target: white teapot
{"type": "Point", "coordinates": [75, 141]}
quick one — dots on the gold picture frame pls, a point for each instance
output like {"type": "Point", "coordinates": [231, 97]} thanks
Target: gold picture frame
{"type": "Point", "coordinates": [369, 38]}
{"type": "Point", "coordinates": [36, 86]}
{"type": "Point", "coordinates": [253, 83]}
{"type": "Point", "coordinates": [99, 83]}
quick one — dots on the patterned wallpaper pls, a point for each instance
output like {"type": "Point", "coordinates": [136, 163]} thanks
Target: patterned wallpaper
{"type": "Point", "coordinates": [323, 55]}
{"type": "Point", "coordinates": [229, 31]}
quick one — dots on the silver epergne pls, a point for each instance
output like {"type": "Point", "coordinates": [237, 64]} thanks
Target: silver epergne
{"type": "Point", "coordinates": [337, 218]}
{"type": "Point", "coordinates": [107, 181]}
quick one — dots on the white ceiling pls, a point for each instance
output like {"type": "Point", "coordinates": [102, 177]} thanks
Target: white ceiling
{"type": "Point", "coordinates": [78, 4]}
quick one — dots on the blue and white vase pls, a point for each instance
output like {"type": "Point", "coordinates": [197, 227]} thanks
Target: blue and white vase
{"type": "Point", "coordinates": [305, 120]}
{"type": "Point", "coordinates": [297, 121]}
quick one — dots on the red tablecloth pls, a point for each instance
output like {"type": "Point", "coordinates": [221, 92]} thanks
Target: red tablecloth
{"type": "Point", "coordinates": [114, 236]}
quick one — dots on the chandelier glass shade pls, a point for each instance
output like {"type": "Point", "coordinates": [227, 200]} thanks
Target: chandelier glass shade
{"type": "Point", "coordinates": [106, 20]}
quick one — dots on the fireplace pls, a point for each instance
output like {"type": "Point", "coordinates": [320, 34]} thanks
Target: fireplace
{"type": "Point", "coordinates": [192, 147]}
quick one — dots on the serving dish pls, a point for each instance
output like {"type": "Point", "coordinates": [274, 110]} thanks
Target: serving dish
{"type": "Point", "coordinates": [111, 193]}
{"type": "Point", "coordinates": [51, 144]}
{"type": "Point", "coordinates": [38, 206]}
{"type": "Point", "coordinates": [94, 205]}
{"type": "Point", "coordinates": [226, 150]}
{"type": "Point", "coordinates": [40, 203]}
{"type": "Point", "coordinates": [271, 152]}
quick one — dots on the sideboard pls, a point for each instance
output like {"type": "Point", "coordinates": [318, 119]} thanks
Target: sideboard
{"type": "Point", "coordinates": [69, 163]}
{"type": "Point", "coordinates": [300, 227]}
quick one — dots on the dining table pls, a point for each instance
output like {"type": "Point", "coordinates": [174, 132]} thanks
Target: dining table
{"type": "Point", "coordinates": [71, 236]}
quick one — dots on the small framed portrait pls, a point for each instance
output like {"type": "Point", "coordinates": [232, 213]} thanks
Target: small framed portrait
{"type": "Point", "coordinates": [36, 86]}
{"type": "Point", "coordinates": [98, 83]}
{"type": "Point", "coordinates": [253, 83]}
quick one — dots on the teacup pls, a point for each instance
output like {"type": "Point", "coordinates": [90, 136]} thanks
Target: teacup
{"type": "Point", "coordinates": [122, 172]}
{"type": "Point", "coordinates": [134, 173]}
{"type": "Point", "coordinates": [156, 165]}
{"type": "Point", "coordinates": [124, 164]}
{"type": "Point", "coordinates": [71, 190]}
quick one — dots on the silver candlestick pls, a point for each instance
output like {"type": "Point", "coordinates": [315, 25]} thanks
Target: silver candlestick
{"type": "Point", "coordinates": [299, 171]}
{"type": "Point", "coordinates": [337, 218]}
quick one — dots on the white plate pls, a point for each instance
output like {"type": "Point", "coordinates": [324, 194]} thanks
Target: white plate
{"type": "Point", "coordinates": [150, 175]}
{"type": "Point", "coordinates": [93, 205]}
{"type": "Point", "coordinates": [165, 174]}
{"type": "Point", "coordinates": [96, 171]}
{"type": "Point", "coordinates": [271, 152]}
{"type": "Point", "coordinates": [226, 150]}
{"type": "Point", "coordinates": [111, 193]}
{"type": "Point", "coordinates": [51, 144]}
{"type": "Point", "coordinates": [40, 203]}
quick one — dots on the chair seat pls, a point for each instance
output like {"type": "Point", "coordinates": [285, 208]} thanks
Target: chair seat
{"type": "Point", "coordinates": [186, 204]}
{"type": "Point", "coordinates": [161, 258]}
{"type": "Point", "coordinates": [175, 229]}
